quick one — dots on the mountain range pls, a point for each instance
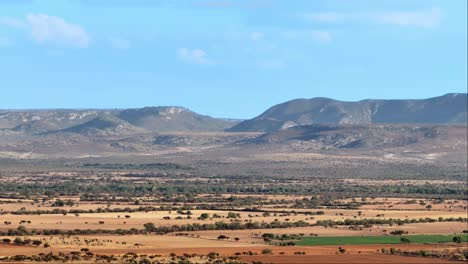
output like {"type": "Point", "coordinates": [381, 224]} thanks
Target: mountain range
{"type": "Point", "coordinates": [110, 121]}
{"type": "Point", "coordinates": [446, 109]}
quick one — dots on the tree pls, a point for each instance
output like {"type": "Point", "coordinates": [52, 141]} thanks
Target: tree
{"type": "Point", "coordinates": [22, 230]}
{"type": "Point", "coordinates": [204, 216]}
{"type": "Point", "coordinates": [58, 203]}
{"type": "Point", "coordinates": [150, 227]}
{"type": "Point", "coordinates": [18, 241]}
{"type": "Point", "coordinates": [341, 250]}
{"type": "Point", "coordinates": [457, 239]}
{"type": "Point", "coordinates": [268, 236]}
{"type": "Point", "coordinates": [267, 251]}
{"type": "Point", "coordinates": [233, 215]}
{"type": "Point", "coordinates": [398, 232]}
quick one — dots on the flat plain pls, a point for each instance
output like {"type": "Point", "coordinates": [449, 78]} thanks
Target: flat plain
{"type": "Point", "coordinates": [226, 198]}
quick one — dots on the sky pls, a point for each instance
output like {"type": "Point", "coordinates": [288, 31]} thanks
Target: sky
{"type": "Point", "coordinates": [227, 58]}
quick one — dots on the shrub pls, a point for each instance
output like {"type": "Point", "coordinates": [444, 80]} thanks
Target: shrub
{"type": "Point", "coordinates": [404, 240]}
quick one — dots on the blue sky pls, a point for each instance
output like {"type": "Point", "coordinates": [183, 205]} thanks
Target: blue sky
{"type": "Point", "coordinates": [227, 58]}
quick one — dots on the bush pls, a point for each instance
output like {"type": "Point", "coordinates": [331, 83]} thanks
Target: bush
{"type": "Point", "coordinates": [398, 232]}
{"type": "Point", "coordinates": [18, 241]}
{"type": "Point", "coordinates": [404, 240]}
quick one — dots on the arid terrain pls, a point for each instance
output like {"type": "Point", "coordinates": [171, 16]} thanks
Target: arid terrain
{"type": "Point", "coordinates": [166, 185]}
{"type": "Point", "coordinates": [214, 197]}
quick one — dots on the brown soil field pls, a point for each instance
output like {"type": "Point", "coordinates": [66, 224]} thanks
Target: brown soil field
{"type": "Point", "coordinates": [31, 206]}
{"type": "Point", "coordinates": [204, 242]}
{"type": "Point", "coordinates": [402, 204]}
{"type": "Point", "coordinates": [165, 245]}
{"type": "Point", "coordinates": [138, 219]}
{"type": "Point", "coordinates": [370, 258]}
{"type": "Point", "coordinates": [169, 243]}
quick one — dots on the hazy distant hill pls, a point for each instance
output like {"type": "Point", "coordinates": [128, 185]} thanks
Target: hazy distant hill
{"type": "Point", "coordinates": [104, 125]}
{"type": "Point", "coordinates": [446, 109]}
{"type": "Point", "coordinates": [110, 121]}
{"type": "Point", "coordinates": [172, 119]}
{"type": "Point", "coordinates": [34, 121]}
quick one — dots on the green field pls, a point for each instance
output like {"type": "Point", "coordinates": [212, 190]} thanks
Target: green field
{"type": "Point", "coordinates": [366, 240]}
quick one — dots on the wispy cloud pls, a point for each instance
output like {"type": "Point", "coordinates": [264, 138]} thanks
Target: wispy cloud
{"type": "Point", "coordinates": [321, 36]}
{"type": "Point", "coordinates": [256, 36]}
{"type": "Point", "coordinates": [197, 56]}
{"type": "Point", "coordinates": [120, 43]}
{"type": "Point", "coordinates": [426, 18]}
{"type": "Point", "coordinates": [323, 16]}
{"type": "Point", "coordinates": [232, 3]}
{"type": "Point", "coordinates": [50, 29]}
{"type": "Point", "coordinates": [45, 28]}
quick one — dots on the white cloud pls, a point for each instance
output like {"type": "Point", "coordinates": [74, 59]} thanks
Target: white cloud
{"type": "Point", "coordinates": [50, 29]}
{"type": "Point", "coordinates": [323, 16]}
{"type": "Point", "coordinates": [426, 18]}
{"type": "Point", "coordinates": [321, 36]}
{"type": "Point", "coordinates": [197, 56]}
{"type": "Point", "coordinates": [256, 36]}
{"type": "Point", "coordinates": [45, 28]}
{"type": "Point", "coordinates": [120, 43]}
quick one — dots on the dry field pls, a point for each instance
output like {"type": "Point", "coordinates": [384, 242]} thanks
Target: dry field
{"type": "Point", "coordinates": [125, 220]}
{"type": "Point", "coordinates": [238, 206]}
{"type": "Point", "coordinates": [237, 241]}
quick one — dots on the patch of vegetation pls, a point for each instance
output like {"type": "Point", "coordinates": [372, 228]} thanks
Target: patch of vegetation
{"type": "Point", "coordinates": [367, 240]}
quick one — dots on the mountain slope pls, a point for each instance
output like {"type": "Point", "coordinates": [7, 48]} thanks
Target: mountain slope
{"type": "Point", "coordinates": [353, 136]}
{"type": "Point", "coordinates": [104, 125]}
{"type": "Point", "coordinates": [170, 118]}
{"type": "Point", "coordinates": [446, 109]}
{"type": "Point", "coordinates": [154, 119]}
{"type": "Point", "coordinates": [27, 120]}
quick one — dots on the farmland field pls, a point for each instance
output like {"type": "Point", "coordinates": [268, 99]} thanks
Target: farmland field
{"type": "Point", "coordinates": [365, 240]}
{"type": "Point", "coordinates": [93, 213]}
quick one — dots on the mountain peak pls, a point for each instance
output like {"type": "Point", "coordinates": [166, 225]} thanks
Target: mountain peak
{"type": "Point", "coordinates": [446, 109]}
